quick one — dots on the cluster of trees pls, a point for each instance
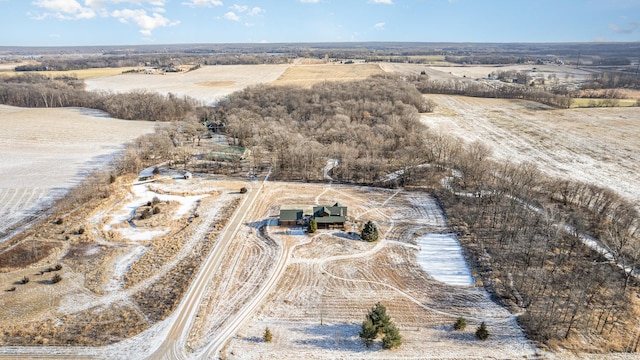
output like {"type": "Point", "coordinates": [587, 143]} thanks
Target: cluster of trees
{"type": "Point", "coordinates": [488, 59]}
{"type": "Point", "coordinates": [61, 63]}
{"type": "Point", "coordinates": [612, 80]}
{"type": "Point", "coordinates": [378, 322]}
{"type": "Point", "coordinates": [495, 90]}
{"type": "Point", "coordinates": [526, 233]}
{"type": "Point", "coordinates": [33, 90]}
{"type": "Point", "coordinates": [369, 126]}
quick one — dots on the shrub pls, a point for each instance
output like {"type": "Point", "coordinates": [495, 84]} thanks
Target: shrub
{"type": "Point", "coordinates": [13, 288]}
{"type": "Point", "coordinates": [243, 190]}
{"type": "Point", "coordinates": [482, 333]}
{"type": "Point", "coordinates": [58, 221]}
{"type": "Point", "coordinates": [58, 267]}
{"type": "Point", "coordinates": [56, 279]}
{"type": "Point", "coordinates": [155, 200]}
{"type": "Point", "coordinates": [156, 210]}
{"type": "Point", "coordinates": [460, 324]}
{"type": "Point", "coordinates": [267, 337]}
{"type": "Point", "coordinates": [313, 226]}
{"type": "Point", "coordinates": [80, 231]}
{"type": "Point", "coordinates": [24, 280]}
{"type": "Point", "coordinates": [145, 214]}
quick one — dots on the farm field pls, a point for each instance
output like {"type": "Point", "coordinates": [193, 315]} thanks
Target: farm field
{"type": "Point", "coordinates": [207, 84]}
{"type": "Point", "coordinates": [599, 146]}
{"type": "Point", "coordinates": [80, 74]}
{"type": "Point", "coordinates": [308, 75]}
{"type": "Point", "coordinates": [46, 151]}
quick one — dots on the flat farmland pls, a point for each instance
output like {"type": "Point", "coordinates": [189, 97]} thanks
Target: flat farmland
{"type": "Point", "coordinates": [46, 151]}
{"type": "Point", "coordinates": [207, 84]}
{"type": "Point", "coordinates": [599, 146]}
{"type": "Point", "coordinates": [308, 75]}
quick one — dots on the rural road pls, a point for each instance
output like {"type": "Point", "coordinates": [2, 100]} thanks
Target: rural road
{"type": "Point", "coordinates": [216, 344]}
{"type": "Point", "coordinates": [173, 346]}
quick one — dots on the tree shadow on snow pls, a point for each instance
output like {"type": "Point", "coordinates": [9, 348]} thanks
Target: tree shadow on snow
{"type": "Point", "coordinates": [342, 337]}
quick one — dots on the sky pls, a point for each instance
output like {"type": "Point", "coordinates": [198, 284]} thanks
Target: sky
{"type": "Point", "coordinates": [136, 22]}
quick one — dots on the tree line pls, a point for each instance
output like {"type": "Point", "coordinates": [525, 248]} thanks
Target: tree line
{"type": "Point", "coordinates": [33, 90]}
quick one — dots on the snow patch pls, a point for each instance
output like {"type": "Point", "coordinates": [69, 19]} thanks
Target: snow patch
{"type": "Point", "coordinates": [440, 256]}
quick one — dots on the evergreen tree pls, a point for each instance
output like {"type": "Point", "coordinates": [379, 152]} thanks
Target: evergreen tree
{"type": "Point", "coordinates": [482, 333]}
{"type": "Point", "coordinates": [313, 226]}
{"type": "Point", "coordinates": [369, 232]}
{"type": "Point", "coordinates": [378, 316]}
{"type": "Point", "coordinates": [368, 332]}
{"type": "Point", "coordinates": [392, 338]}
{"type": "Point", "coordinates": [460, 324]}
{"type": "Point", "coordinates": [267, 337]}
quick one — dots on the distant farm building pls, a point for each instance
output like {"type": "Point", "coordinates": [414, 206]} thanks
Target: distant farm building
{"type": "Point", "coordinates": [187, 175]}
{"type": "Point", "coordinates": [326, 216]}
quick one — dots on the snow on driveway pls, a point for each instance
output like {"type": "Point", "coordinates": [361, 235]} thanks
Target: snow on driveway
{"type": "Point", "coordinates": [440, 256]}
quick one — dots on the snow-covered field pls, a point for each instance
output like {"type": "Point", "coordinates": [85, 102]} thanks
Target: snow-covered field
{"type": "Point", "coordinates": [599, 146]}
{"type": "Point", "coordinates": [44, 152]}
{"type": "Point", "coordinates": [441, 257]}
{"type": "Point", "coordinates": [207, 84]}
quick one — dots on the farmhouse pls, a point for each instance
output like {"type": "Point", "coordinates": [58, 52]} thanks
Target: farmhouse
{"type": "Point", "coordinates": [330, 216]}
{"type": "Point", "coordinates": [326, 216]}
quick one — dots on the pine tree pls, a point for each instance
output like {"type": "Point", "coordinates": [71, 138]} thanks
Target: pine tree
{"type": "Point", "coordinates": [460, 324]}
{"type": "Point", "coordinates": [368, 332]}
{"type": "Point", "coordinates": [392, 338]}
{"type": "Point", "coordinates": [267, 337]}
{"type": "Point", "coordinates": [379, 317]}
{"type": "Point", "coordinates": [369, 232]}
{"type": "Point", "coordinates": [482, 333]}
{"type": "Point", "coordinates": [313, 226]}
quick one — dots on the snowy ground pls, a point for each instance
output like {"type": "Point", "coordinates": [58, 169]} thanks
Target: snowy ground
{"type": "Point", "coordinates": [207, 84]}
{"type": "Point", "coordinates": [441, 257]}
{"type": "Point", "coordinates": [599, 146]}
{"type": "Point", "coordinates": [44, 152]}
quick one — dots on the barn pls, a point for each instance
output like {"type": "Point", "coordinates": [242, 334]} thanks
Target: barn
{"type": "Point", "coordinates": [291, 217]}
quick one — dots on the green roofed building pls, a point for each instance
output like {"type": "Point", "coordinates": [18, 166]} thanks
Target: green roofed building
{"type": "Point", "coordinates": [326, 216]}
{"type": "Point", "coordinates": [291, 217]}
{"type": "Point", "coordinates": [330, 216]}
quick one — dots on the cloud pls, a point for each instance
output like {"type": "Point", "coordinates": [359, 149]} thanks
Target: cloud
{"type": "Point", "coordinates": [379, 26]}
{"type": "Point", "coordinates": [633, 25]}
{"type": "Point", "coordinates": [309, 1]}
{"type": "Point", "coordinates": [146, 23]}
{"type": "Point", "coordinates": [387, 2]}
{"type": "Point", "coordinates": [245, 9]}
{"type": "Point", "coordinates": [231, 16]}
{"type": "Point", "coordinates": [64, 9]}
{"type": "Point", "coordinates": [202, 3]}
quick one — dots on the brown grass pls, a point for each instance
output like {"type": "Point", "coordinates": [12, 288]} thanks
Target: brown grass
{"type": "Point", "coordinates": [308, 75]}
{"type": "Point", "coordinates": [216, 83]}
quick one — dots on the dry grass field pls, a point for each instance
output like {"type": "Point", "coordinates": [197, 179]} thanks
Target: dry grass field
{"type": "Point", "coordinates": [308, 75]}
{"type": "Point", "coordinates": [80, 74]}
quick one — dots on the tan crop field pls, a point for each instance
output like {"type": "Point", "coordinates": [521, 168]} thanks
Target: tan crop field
{"type": "Point", "coordinates": [307, 75]}
{"type": "Point", "coordinates": [80, 74]}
